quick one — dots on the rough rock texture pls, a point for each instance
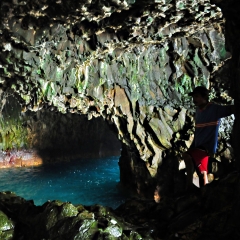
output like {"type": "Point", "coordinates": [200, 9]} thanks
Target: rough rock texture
{"type": "Point", "coordinates": [209, 214]}
{"type": "Point", "coordinates": [32, 138]}
{"type": "Point", "coordinates": [131, 62]}
{"type": "Point", "coordinates": [230, 10]}
{"type": "Point", "coordinates": [21, 219]}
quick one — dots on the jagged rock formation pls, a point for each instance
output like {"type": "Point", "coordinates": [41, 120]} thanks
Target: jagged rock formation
{"type": "Point", "coordinates": [21, 219]}
{"type": "Point", "coordinates": [131, 62]}
{"type": "Point", "coordinates": [230, 10]}
{"type": "Point", "coordinates": [51, 136]}
{"type": "Point", "coordinates": [212, 214]}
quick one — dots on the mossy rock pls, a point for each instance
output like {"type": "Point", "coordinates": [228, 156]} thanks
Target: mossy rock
{"type": "Point", "coordinates": [108, 236]}
{"type": "Point", "coordinates": [5, 222]}
{"type": "Point", "coordinates": [6, 227]}
{"type": "Point", "coordinates": [55, 211]}
{"type": "Point", "coordinates": [86, 215]}
{"type": "Point", "coordinates": [80, 207]}
{"type": "Point", "coordinates": [87, 230]}
{"type": "Point", "coordinates": [7, 235]}
{"type": "Point", "coordinates": [68, 210]}
{"type": "Point", "coordinates": [114, 230]}
{"type": "Point", "coordinates": [100, 210]}
{"type": "Point", "coordinates": [66, 228]}
{"type": "Point", "coordinates": [135, 236]}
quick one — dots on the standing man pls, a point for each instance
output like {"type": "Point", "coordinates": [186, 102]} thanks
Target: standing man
{"type": "Point", "coordinates": [207, 121]}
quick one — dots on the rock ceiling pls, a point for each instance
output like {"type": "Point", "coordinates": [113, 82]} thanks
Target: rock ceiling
{"type": "Point", "coordinates": [131, 62]}
{"type": "Point", "coordinates": [44, 41]}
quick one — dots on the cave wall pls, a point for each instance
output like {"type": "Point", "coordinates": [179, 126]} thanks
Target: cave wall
{"type": "Point", "coordinates": [58, 137]}
{"type": "Point", "coordinates": [131, 62]}
{"type": "Point", "coordinates": [54, 136]}
{"type": "Point", "coordinates": [230, 11]}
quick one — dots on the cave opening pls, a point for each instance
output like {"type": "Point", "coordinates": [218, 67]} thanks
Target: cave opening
{"type": "Point", "coordinates": [79, 157]}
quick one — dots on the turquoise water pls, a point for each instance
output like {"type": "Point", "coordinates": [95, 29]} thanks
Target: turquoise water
{"type": "Point", "coordinates": [87, 182]}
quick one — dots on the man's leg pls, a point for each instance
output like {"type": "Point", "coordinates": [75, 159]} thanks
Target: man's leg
{"type": "Point", "coordinates": [189, 168]}
{"type": "Point", "coordinates": [205, 177]}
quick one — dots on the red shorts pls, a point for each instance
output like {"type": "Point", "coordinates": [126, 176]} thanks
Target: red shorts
{"type": "Point", "coordinates": [200, 158]}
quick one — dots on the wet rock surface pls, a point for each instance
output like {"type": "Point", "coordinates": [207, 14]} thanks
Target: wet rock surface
{"type": "Point", "coordinates": [207, 213]}
{"type": "Point", "coordinates": [20, 158]}
{"type": "Point", "coordinates": [58, 220]}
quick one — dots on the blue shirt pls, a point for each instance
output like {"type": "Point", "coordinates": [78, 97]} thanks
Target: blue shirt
{"type": "Point", "coordinates": [207, 123]}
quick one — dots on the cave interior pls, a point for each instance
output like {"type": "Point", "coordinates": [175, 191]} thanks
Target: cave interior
{"type": "Point", "coordinates": [111, 75]}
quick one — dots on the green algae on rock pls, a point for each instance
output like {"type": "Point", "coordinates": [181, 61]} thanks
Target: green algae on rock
{"type": "Point", "coordinates": [6, 227]}
{"type": "Point", "coordinates": [61, 220]}
{"type": "Point", "coordinates": [193, 216]}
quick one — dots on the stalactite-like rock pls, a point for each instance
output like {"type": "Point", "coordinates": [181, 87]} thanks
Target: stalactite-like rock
{"type": "Point", "coordinates": [131, 62]}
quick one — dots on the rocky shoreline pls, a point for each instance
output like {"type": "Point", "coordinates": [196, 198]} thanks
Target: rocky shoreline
{"type": "Point", "coordinates": [20, 158]}
{"type": "Point", "coordinates": [208, 213]}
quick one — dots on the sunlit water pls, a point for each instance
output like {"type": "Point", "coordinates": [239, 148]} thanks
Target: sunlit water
{"type": "Point", "coordinates": [87, 182]}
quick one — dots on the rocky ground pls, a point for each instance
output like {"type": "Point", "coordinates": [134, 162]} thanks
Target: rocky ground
{"type": "Point", "coordinates": [208, 213]}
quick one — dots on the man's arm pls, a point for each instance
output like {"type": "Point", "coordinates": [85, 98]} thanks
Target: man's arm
{"type": "Point", "coordinates": [232, 109]}
{"type": "Point", "coordinates": [224, 110]}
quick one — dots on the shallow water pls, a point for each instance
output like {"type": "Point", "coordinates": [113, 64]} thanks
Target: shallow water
{"type": "Point", "coordinates": [87, 182]}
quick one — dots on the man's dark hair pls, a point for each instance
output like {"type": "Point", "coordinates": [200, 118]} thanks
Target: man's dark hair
{"type": "Point", "coordinates": [200, 90]}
